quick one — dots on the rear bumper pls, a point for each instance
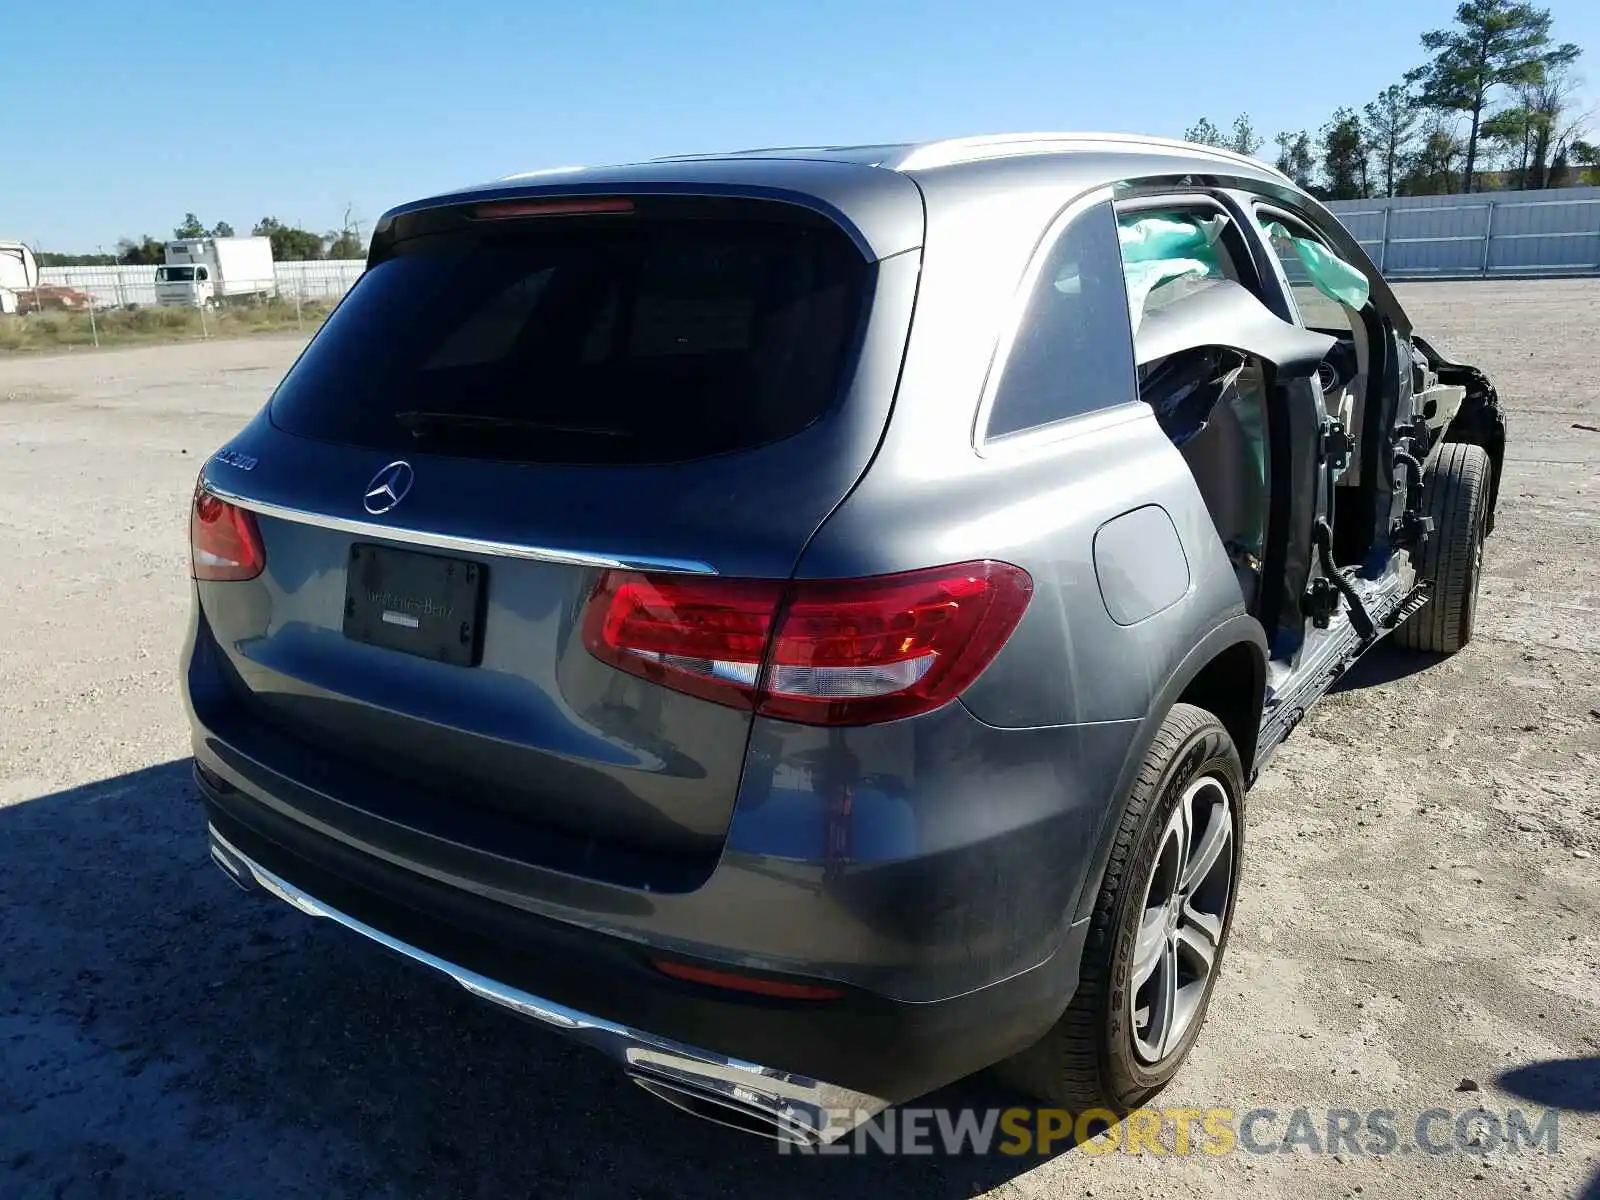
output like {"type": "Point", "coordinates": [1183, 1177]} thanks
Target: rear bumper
{"type": "Point", "coordinates": [815, 1068]}
{"type": "Point", "coordinates": [792, 1107]}
{"type": "Point", "coordinates": [933, 886]}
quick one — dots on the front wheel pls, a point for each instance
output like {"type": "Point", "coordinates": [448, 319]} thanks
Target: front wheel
{"type": "Point", "coordinates": [1456, 487]}
{"type": "Point", "coordinates": [1159, 927]}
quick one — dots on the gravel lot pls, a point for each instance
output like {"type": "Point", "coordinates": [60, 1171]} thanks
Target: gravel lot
{"type": "Point", "coordinates": [1421, 907]}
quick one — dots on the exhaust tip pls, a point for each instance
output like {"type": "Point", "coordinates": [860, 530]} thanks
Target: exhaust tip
{"type": "Point", "coordinates": [229, 865]}
{"type": "Point", "coordinates": [745, 1113]}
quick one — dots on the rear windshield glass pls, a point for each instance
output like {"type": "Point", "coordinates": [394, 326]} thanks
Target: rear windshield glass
{"type": "Point", "coordinates": [636, 342]}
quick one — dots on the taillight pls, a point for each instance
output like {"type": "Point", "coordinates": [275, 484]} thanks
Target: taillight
{"type": "Point", "coordinates": [224, 542]}
{"type": "Point", "coordinates": [848, 652]}
{"type": "Point", "coordinates": [576, 207]}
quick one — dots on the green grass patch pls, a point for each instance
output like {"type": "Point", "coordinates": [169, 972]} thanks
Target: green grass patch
{"type": "Point", "coordinates": [44, 332]}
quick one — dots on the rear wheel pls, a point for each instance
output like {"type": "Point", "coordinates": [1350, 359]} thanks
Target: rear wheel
{"type": "Point", "coordinates": [1159, 927]}
{"type": "Point", "coordinates": [1456, 486]}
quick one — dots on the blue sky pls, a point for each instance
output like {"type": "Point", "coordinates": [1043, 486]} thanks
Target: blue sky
{"type": "Point", "coordinates": [137, 113]}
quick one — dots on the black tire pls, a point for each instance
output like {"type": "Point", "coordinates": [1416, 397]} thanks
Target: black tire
{"type": "Point", "coordinates": [1087, 1060]}
{"type": "Point", "coordinates": [1456, 488]}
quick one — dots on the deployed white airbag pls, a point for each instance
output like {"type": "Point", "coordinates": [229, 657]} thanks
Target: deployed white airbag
{"type": "Point", "coordinates": [1158, 252]}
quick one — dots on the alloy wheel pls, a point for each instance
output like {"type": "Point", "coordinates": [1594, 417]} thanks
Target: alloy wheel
{"type": "Point", "coordinates": [1181, 919]}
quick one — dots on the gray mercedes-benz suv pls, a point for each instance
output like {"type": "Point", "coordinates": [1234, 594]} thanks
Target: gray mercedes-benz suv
{"type": "Point", "coordinates": [806, 620]}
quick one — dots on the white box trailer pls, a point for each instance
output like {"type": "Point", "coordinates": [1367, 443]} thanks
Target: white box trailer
{"type": "Point", "coordinates": [18, 273]}
{"type": "Point", "coordinates": [210, 271]}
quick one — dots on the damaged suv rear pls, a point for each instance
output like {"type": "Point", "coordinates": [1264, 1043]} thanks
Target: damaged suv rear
{"type": "Point", "coordinates": [805, 621]}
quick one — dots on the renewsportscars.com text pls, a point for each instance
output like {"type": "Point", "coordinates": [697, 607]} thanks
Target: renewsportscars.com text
{"type": "Point", "coordinates": [1374, 1132]}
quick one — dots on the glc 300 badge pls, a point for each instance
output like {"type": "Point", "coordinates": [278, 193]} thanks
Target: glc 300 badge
{"type": "Point", "coordinates": [233, 458]}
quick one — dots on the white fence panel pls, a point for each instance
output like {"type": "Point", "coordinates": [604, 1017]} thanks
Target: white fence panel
{"type": "Point", "coordinates": [325, 279]}
{"type": "Point", "coordinates": [111, 287]}
{"type": "Point", "coordinates": [1551, 232]}
{"type": "Point", "coordinates": [119, 286]}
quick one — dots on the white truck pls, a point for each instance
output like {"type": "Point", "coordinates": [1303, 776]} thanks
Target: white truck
{"type": "Point", "coordinates": [210, 271]}
{"type": "Point", "coordinates": [18, 273]}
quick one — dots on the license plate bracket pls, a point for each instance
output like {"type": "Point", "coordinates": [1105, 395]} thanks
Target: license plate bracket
{"type": "Point", "coordinates": [421, 604]}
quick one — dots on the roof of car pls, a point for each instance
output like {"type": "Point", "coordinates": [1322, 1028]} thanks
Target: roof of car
{"type": "Point", "coordinates": [921, 156]}
{"type": "Point", "coordinates": [879, 193]}
{"type": "Point", "coordinates": [917, 158]}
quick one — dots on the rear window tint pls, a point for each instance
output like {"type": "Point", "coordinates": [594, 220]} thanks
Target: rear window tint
{"type": "Point", "coordinates": [637, 342]}
{"type": "Point", "coordinates": [1073, 351]}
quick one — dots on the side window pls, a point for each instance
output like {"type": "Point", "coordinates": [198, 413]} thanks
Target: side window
{"type": "Point", "coordinates": [1173, 251]}
{"type": "Point", "coordinates": [1317, 311]}
{"type": "Point", "coordinates": [1073, 349]}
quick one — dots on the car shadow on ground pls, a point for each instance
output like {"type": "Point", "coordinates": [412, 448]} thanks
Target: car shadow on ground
{"type": "Point", "coordinates": [1569, 1084]}
{"type": "Point", "coordinates": [1384, 663]}
{"type": "Point", "coordinates": [162, 1033]}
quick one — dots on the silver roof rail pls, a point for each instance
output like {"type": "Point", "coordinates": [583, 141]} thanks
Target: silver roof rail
{"type": "Point", "coordinates": [541, 171]}
{"type": "Point", "coordinates": [952, 151]}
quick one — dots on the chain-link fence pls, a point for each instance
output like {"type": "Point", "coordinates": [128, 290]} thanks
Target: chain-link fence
{"type": "Point", "coordinates": [123, 287]}
{"type": "Point", "coordinates": [116, 305]}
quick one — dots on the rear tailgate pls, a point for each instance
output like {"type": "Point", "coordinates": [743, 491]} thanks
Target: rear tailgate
{"type": "Point", "coordinates": [671, 391]}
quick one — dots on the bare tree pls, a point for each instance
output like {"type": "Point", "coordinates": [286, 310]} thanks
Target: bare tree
{"type": "Point", "coordinates": [1551, 105]}
{"type": "Point", "coordinates": [345, 242]}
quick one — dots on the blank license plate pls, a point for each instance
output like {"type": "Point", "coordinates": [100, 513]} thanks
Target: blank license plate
{"type": "Point", "coordinates": [417, 603]}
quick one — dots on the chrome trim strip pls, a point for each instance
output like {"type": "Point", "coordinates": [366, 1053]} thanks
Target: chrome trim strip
{"type": "Point", "coordinates": [798, 1108]}
{"type": "Point", "coordinates": [460, 544]}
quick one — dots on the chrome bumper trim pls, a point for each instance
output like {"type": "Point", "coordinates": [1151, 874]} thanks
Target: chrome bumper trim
{"type": "Point", "coordinates": [458, 543]}
{"type": "Point", "coordinates": [795, 1107]}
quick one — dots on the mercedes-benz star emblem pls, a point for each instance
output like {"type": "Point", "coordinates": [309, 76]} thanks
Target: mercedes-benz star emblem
{"type": "Point", "coordinates": [388, 487]}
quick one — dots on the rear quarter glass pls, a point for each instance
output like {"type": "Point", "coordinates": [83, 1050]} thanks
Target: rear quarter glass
{"type": "Point", "coordinates": [607, 340]}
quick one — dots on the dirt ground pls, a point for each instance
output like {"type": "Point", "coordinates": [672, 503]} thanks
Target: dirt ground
{"type": "Point", "coordinates": [1421, 896]}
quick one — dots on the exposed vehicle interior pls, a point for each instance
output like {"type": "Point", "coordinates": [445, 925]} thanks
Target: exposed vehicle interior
{"type": "Point", "coordinates": [1212, 357]}
{"type": "Point", "coordinates": [1331, 303]}
{"type": "Point", "coordinates": [1209, 400]}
